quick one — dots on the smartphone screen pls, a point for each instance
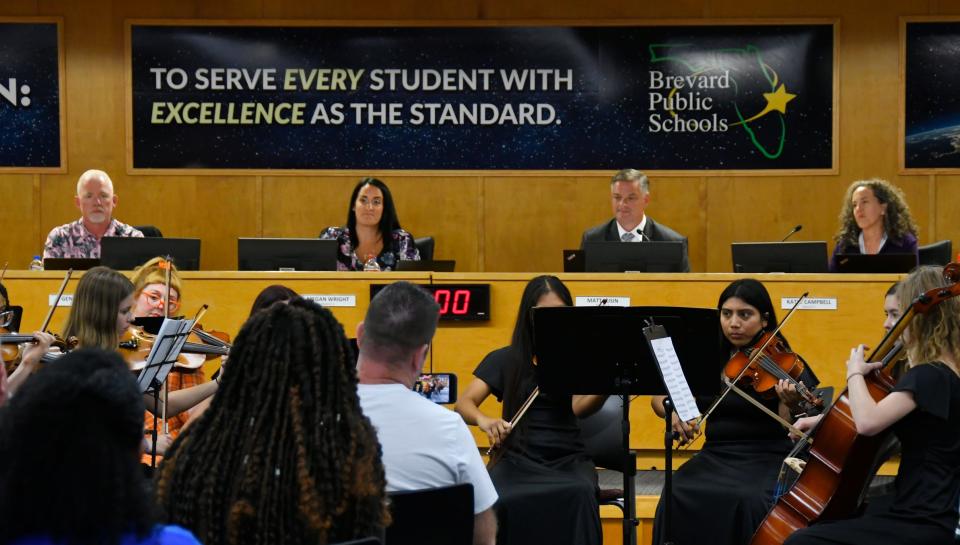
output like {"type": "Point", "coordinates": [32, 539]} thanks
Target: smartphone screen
{"type": "Point", "coordinates": [437, 387]}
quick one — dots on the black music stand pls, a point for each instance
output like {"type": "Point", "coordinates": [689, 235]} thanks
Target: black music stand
{"type": "Point", "coordinates": [602, 350]}
{"type": "Point", "coordinates": [163, 355]}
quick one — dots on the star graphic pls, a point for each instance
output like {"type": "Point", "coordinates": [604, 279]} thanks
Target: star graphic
{"type": "Point", "coordinates": [778, 99]}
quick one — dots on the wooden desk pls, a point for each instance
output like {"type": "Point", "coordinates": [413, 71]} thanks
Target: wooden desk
{"type": "Point", "coordinates": [823, 337]}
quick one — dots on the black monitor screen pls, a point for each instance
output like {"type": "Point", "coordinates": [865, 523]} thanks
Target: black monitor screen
{"type": "Point", "coordinates": [128, 253]}
{"type": "Point", "coordinates": [876, 263]}
{"type": "Point", "coordinates": [784, 257]}
{"type": "Point", "coordinates": [634, 256]}
{"type": "Point", "coordinates": [286, 254]}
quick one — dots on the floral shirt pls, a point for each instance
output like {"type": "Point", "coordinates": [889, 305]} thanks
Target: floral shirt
{"type": "Point", "coordinates": [400, 247]}
{"type": "Point", "coordinates": [74, 241]}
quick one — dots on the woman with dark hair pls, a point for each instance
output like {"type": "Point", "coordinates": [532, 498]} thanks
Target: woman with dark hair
{"type": "Point", "coordinates": [70, 441]}
{"type": "Point", "coordinates": [924, 412]}
{"type": "Point", "coordinates": [284, 453]}
{"type": "Point", "coordinates": [270, 295]}
{"type": "Point", "coordinates": [544, 474]}
{"type": "Point", "coordinates": [723, 493]}
{"type": "Point", "coordinates": [372, 235]}
{"type": "Point", "coordinates": [874, 219]}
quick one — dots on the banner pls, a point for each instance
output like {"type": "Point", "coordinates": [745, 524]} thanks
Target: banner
{"type": "Point", "coordinates": [700, 98]}
{"type": "Point", "coordinates": [931, 118]}
{"type": "Point", "coordinates": [30, 104]}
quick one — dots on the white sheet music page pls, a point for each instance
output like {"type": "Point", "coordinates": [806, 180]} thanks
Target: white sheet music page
{"type": "Point", "coordinates": [680, 394]}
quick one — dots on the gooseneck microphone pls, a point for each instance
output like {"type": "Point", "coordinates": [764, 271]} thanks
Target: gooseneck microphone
{"type": "Point", "coordinates": [792, 232]}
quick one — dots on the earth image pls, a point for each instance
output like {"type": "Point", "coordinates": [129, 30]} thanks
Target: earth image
{"type": "Point", "coordinates": [939, 148]}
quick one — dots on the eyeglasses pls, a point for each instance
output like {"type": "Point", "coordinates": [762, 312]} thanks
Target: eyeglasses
{"type": "Point", "coordinates": [155, 299]}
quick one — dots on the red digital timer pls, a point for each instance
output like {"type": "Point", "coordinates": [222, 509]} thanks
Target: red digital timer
{"type": "Point", "coordinates": [458, 302]}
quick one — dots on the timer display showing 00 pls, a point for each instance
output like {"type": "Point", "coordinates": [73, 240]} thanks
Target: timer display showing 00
{"type": "Point", "coordinates": [458, 302]}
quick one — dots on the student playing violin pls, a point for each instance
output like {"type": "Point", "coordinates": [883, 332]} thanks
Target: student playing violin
{"type": "Point", "coordinates": [924, 412]}
{"type": "Point", "coordinates": [150, 298]}
{"type": "Point", "coordinates": [102, 310]}
{"type": "Point", "coordinates": [723, 493]}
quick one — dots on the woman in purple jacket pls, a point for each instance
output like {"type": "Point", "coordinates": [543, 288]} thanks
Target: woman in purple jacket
{"type": "Point", "coordinates": [875, 219]}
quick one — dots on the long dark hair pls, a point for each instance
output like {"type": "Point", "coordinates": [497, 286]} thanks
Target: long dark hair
{"type": "Point", "coordinates": [753, 293]}
{"type": "Point", "coordinates": [522, 342]}
{"type": "Point", "coordinates": [284, 453]}
{"type": "Point", "coordinates": [270, 295]}
{"type": "Point", "coordinates": [389, 222]}
{"type": "Point", "coordinates": [69, 454]}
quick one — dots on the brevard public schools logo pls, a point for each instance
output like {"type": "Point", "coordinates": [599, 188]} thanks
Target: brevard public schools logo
{"type": "Point", "coordinates": [8, 92]}
{"type": "Point", "coordinates": [716, 91]}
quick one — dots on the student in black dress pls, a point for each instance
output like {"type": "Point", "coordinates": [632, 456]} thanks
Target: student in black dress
{"type": "Point", "coordinates": [721, 495]}
{"type": "Point", "coordinates": [924, 411]}
{"type": "Point", "coordinates": [546, 482]}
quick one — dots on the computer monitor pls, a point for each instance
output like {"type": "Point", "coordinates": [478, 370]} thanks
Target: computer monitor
{"type": "Point", "coordinates": [876, 263]}
{"type": "Point", "coordinates": [650, 256]}
{"type": "Point", "coordinates": [128, 253]}
{"type": "Point", "coordinates": [286, 254]}
{"type": "Point", "coordinates": [784, 257]}
{"type": "Point", "coordinates": [573, 261]}
{"type": "Point", "coordinates": [67, 263]}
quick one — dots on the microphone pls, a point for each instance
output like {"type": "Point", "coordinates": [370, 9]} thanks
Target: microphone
{"type": "Point", "coordinates": [792, 232]}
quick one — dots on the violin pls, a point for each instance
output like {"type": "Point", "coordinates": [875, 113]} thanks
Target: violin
{"type": "Point", "coordinates": [136, 343]}
{"type": "Point", "coordinates": [764, 371]}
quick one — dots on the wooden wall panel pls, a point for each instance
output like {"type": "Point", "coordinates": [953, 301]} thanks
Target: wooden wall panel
{"type": "Point", "coordinates": [19, 203]}
{"type": "Point", "coordinates": [488, 222]}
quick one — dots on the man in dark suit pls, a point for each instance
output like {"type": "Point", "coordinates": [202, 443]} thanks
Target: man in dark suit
{"type": "Point", "coordinates": [630, 195]}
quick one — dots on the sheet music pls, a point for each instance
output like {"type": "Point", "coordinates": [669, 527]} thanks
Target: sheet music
{"type": "Point", "coordinates": [673, 378]}
{"type": "Point", "coordinates": [169, 341]}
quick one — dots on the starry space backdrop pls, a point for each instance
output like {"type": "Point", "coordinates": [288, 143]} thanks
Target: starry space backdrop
{"type": "Point", "coordinates": [604, 122]}
{"type": "Point", "coordinates": [932, 95]}
{"type": "Point", "coordinates": [30, 130]}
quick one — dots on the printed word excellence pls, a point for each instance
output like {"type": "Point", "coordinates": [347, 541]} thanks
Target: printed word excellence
{"type": "Point", "coordinates": [216, 113]}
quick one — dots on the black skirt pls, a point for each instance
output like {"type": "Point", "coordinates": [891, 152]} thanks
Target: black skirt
{"type": "Point", "coordinates": [721, 495]}
{"type": "Point", "coordinates": [553, 504]}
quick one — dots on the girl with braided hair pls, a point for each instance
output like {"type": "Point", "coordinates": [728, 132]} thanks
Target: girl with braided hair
{"type": "Point", "coordinates": [283, 454]}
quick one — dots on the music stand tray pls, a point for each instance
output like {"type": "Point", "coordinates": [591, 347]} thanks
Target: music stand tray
{"type": "Point", "coordinates": [602, 350]}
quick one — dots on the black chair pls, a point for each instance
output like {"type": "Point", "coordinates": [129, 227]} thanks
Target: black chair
{"type": "Point", "coordinates": [601, 435]}
{"type": "Point", "coordinates": [448, 511]}
{"type": "Point", "coordinates": [149, 231]}
{"type": "Point", "coordinates": [425, 247]}
{"type": "Point", "coordinates": [938, 253]}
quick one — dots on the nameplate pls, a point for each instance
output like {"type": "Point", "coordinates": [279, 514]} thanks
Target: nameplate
{"type": "Point", "coordinates": [595, 300]}
{"type": "Point", "coordinates": [810, 303]}
{"type": "Point", "coordinates": [66, 300]}
{"type": "Point", "coordinates": [333, 300]}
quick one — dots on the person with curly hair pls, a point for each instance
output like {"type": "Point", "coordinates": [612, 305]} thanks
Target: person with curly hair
{"type": "Point", "coordinates": [875, 219]}
{"type": "Point", "coordinates": [284, 453]}
{"type": "Point", "coordinates": [76, 480]}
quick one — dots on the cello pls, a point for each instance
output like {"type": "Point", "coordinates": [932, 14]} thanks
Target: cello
{"type": "Point", "coordinates": [841, 462]}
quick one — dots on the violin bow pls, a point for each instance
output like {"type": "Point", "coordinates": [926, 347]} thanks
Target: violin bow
{"type": "Point", "coordinates": [56, 300]}
{"type": "Point", "coordinates": [753, 358]}
{"type": "Point", "coordinates": [4, 271]}
{"type": "Point", "coordinates": [516, 418]}
{"type": "Point", "coordinates": [166, 265]}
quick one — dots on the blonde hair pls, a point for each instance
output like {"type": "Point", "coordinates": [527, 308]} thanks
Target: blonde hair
{"type": "Point", "coordinates": [936, 332]}
{"type": "Point", "coordinates": [151, 273]}
{"type": "Point", "coordinates": [96, 303]}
